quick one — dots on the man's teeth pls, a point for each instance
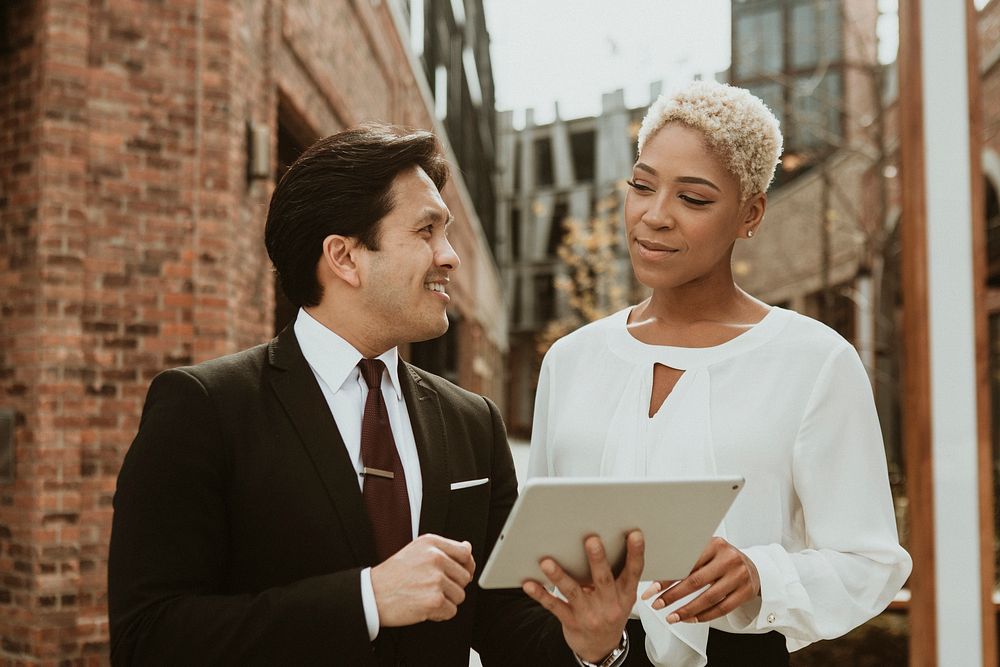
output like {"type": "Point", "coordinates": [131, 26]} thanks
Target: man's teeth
{"type": "Point", "coordinates": [435, 287]}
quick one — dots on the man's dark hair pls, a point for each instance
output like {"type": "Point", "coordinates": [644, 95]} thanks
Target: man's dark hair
{"type": "Point", "coordinates": [340, 185]}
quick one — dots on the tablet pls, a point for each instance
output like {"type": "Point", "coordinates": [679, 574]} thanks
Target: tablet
{"type": "Point", "coordinates": [553, 516]}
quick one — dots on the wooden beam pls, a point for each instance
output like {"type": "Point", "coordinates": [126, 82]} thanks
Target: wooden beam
{"type": "Point", "coordinates": [916, 409]}
{"type": "Point", "coordinates": [983, 388]}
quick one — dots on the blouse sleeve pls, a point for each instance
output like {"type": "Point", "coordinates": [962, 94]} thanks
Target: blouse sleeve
{"type": "Point", "coordinates": [853, 565]}
{"type": "Point", "coordinates": [538, 459]}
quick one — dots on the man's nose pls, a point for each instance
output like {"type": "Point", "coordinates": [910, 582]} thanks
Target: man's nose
{"type": "Point", "coordinates": [446, 257]}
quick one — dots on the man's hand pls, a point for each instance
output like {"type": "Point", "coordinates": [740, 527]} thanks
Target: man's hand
{"type": "Point", "coordinates": [425, 580]}
{"type": "Point", "coordinates": [593, 615]}
{"type": "Point", "coordinates": [731, 578]}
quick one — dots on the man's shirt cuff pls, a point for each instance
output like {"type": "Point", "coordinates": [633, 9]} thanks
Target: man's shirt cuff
{"type": "Point", "coordinates": [368, 602]}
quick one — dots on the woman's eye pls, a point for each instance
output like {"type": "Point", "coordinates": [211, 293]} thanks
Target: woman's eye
{"type": "Point", "coordinates": [639, 186]}
{"type": "Point", "coordinates": [693, 200]}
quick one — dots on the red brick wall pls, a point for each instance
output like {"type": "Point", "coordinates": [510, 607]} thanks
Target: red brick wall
{"type": "Point", "coordinates": [131, 241]}
{"type": "Point", "coordinates": [20, 140]}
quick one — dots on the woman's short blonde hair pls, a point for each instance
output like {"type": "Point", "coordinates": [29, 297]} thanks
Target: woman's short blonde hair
{"type": "Point", "coordinates": [738, 127]}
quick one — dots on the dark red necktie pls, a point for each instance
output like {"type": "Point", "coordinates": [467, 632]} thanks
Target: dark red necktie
{"type": "Point", "coordinates": [384, 492]}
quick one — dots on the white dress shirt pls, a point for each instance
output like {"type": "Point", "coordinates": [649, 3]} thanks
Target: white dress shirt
{"type": "Point", "coordinates": [788, 406]}
{"type": "Point", "coordinates": [334, 362]}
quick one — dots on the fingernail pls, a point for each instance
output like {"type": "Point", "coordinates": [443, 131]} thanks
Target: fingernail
{"type": "Point", "coordinates": [548, 567]}
{"type": "Point", "coordinates": [673, 618]}
{"type": "Point", "coordinates": [658, 604]}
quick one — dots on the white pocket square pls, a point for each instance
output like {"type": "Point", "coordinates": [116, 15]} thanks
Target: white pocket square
{"type": "Point", "coordinates": [455, 486]}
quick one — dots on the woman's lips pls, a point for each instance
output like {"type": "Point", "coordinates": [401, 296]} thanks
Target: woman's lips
{"type": "Point", "coordinates": [651, 250]}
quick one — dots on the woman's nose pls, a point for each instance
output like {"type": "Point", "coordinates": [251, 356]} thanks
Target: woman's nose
{"type": "Point", "coordinates": [658, 215]}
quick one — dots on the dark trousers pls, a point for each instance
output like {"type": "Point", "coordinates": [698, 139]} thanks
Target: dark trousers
{"type": "Point", "coordinates": [725, 649]}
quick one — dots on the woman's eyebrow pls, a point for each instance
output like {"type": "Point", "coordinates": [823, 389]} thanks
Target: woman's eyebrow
{"type": "Point", "coordinates": [695, 180]}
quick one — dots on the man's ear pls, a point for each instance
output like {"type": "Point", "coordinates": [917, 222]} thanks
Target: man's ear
{"type": "Point", "coordinates": [340, 259]}
{"type": "Point", "coordinates": [753, 213]}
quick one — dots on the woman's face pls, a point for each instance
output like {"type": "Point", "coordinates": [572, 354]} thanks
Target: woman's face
{"type": "Point", "coordinates": [683, 211]}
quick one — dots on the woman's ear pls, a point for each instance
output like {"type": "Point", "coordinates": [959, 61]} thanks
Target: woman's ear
{"type": "Point", "coordinates": [339, 259]}
{"type": "Point", "coordinates": [753, 213]}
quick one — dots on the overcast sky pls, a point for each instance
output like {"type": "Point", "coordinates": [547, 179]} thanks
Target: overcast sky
{"type": "Point", "coordinates": [574, 50]}
{"type": "Point", "coordinates": [571, 51]}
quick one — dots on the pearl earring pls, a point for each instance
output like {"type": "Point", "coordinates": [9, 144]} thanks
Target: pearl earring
{"type": "Point", "coordinates": [749, 233]}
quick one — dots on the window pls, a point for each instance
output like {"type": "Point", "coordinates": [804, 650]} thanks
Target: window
{"type": "Point", "coordinates": [441, 92]}
{"type": "Point", "coordinates": [472, 76]}
{"type": "Point", "coordinates": [790, 54]}
{"type": "Point", "coordinates": [545, 298]}
{"type": "Point", "coordinates": [543, 162]}
{"type": "Point", "coordinates": [582, 144]}
{"type": "Point", "coordinates": [758, 42]}
{"type": "Point", "coordinates": [773, 95]}
{"type": "Point", "coordinates": [815, 109]}
{"type": "Point", "coordinates": [417, 27]}
{"type": "Point", "coordinates": [557, 230]}
{"type": "Point", "coordinates": [815, 33]}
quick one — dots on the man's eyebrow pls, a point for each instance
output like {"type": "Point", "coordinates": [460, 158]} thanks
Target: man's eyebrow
{"type": "Point", "coordinates": [434, 215]}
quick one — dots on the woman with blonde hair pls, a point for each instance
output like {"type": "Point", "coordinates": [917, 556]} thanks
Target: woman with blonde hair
{"type": "Point", "coordinates": [702, 379]}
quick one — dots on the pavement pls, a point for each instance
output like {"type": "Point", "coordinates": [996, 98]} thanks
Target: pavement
{"type": "Point", "coordinates": [519, 450]}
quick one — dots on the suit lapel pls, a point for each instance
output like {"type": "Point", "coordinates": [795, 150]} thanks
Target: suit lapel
{"type": "Point", "coordinates": [299, 393]}
{"type": "Point", "coordinates": [424, 408]}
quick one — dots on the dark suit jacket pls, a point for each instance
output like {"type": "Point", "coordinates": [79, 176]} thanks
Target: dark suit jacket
{"type": "Point", "coordinates": [239, 529]}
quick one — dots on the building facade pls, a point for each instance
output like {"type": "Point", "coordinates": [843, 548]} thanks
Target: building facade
{"type": "Point", "coordinates": [141, 142]}
{"type": "Point", "coordinates": [451, 42]}
{"type": "Point", "coordinates": [555, 180]}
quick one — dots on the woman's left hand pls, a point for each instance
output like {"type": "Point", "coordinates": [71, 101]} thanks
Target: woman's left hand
{"type": "Point", "coordinates": [731, 578]}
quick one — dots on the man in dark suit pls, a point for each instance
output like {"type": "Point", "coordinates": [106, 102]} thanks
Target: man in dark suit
{"type": "Point", "coordinates": [316, 500]}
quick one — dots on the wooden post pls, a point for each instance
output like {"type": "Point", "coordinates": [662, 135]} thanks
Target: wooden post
{"type": "Point", "coordinates": [916, 417]}
{"type": "Point", "coordinates": [946, 410]}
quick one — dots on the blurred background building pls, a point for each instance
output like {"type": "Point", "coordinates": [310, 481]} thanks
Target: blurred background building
{"type": "Point", "coordinates": [140, 144]}
{"type": "Point", "coordinates": [555, 181]}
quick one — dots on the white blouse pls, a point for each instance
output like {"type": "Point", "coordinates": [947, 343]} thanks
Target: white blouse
{"type": "Point", "coordinates": [788, 406]}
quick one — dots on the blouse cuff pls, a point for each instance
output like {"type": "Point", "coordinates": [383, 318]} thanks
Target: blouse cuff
{"type": "Point", "coordinates": [770, 610]}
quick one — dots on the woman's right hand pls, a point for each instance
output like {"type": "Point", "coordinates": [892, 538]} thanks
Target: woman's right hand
{"type": "Point", "coordinates": [731, 578]}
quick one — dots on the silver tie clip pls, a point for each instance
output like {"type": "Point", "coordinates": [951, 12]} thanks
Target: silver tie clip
{"type": "Point", "coordinates": [375, 472]}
